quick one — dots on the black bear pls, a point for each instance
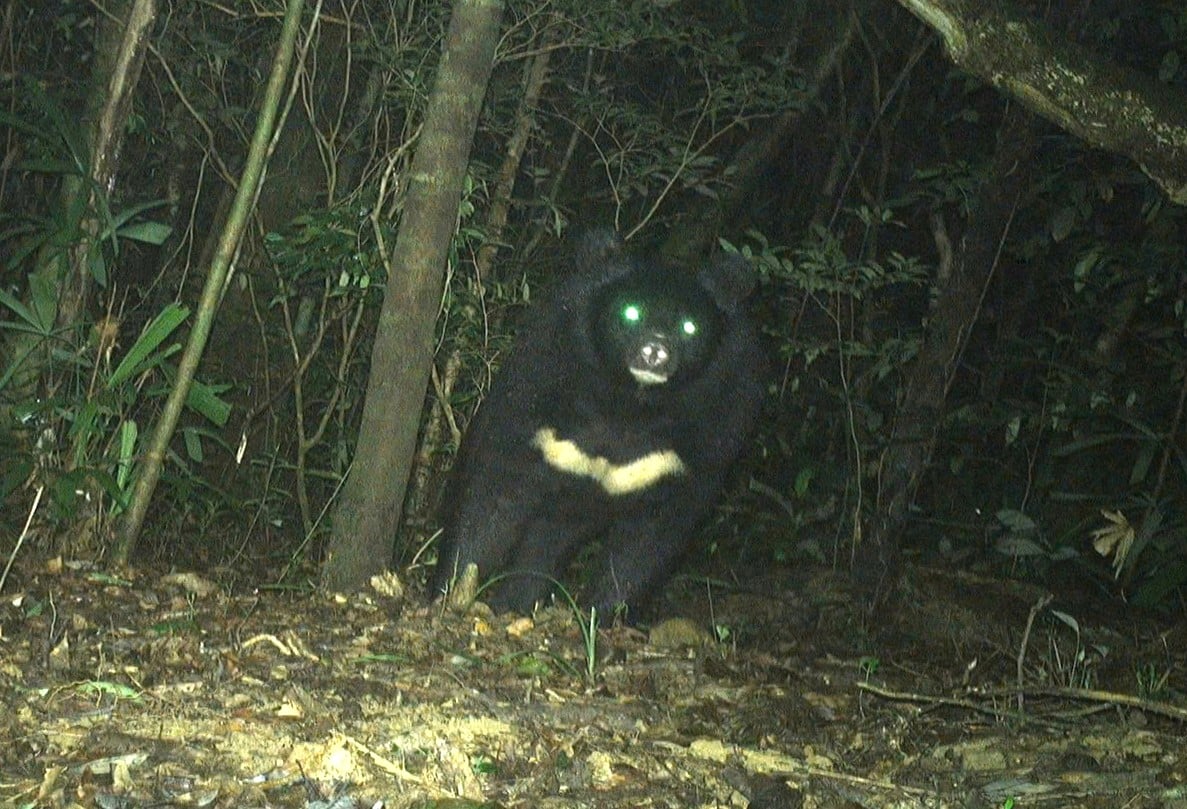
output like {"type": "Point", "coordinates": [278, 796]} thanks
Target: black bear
{"type": "Point", "coordinates": [614, 418]}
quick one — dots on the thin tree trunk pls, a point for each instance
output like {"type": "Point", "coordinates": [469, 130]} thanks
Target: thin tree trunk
{"type": "Point", "coordinates": [369, 510]}
{"type": "Point", "coordinates": [153, 461]}
{"type": "Point", "coordinates": [121, 44]}
{"type": "Point", "coordinates": [121, 73]}
{"type": "Point", "coordinates": [953, 316]}
{"type": "Point", "coordinates": [425, 469]}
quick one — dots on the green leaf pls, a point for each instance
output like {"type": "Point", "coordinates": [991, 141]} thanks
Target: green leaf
{"type": "Point", "coordinates": [20, 124]}
{"type": "Point", "coordinates": [1067, 619]}
{"type": "Point", "coordinates": [29, 240]}
{"type": "Point", "coordinates": [48, 166]}
{"type": "Point", "coordinates": [1141, 464]}
{"type": "Point", "coordinates": [1018, 545]}
{"type": "Point", "coordinates": [193, 445]}
{"type": "Point", "coordinates": [803, 480]}
{"type": "Point", "coordinates": [147, 232]}
{"type": "Point", "coordinates": [1169, 66]}
{"type": "Point", "coordinates": [64, 126]}
{"type": "Point", "coordinates": [119, 499]}
{"type": "Point", "coordinates": [1062, 223]}
{"type": "Point", "coordinates": [97, 265]}
{"type": "Point", "coordinates": [128, 435]}
{"type": "Point", "coordinates": [1015, 520]}
{"type": "Point", "coordinates": [203, 399]}
{"type": "Point", "coordinates": [20, 310]}
{"type": "Point", "coordinates": [131, 212]}
{"type": "Point", "coordinates": [1161, 586]}
{"type": "Point", "coordinates": [1084, 266]}
{"type": "Point", "coordinates": [43, 296]}
{"type": "Point", "coordinates": [154, 334]}
{"type": "Point", "coordinates": [87, 424]}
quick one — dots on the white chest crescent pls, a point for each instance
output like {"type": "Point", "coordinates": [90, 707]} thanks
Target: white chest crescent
{"type": "Point", "coordinates": [616, 479]}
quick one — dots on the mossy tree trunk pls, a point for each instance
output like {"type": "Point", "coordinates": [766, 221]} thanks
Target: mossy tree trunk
{"type": "Point", "coordinates": [369, 509]}
{"type": "Point", "coordinates": [1103, 103]}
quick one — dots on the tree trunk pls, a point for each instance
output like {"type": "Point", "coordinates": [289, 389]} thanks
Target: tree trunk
{"type": "Point", "coordinates": [369, 509]}
{"type": "Point", "coordinates": [426, 469]}
{"type": "Point", "coordinates": [953, 316]}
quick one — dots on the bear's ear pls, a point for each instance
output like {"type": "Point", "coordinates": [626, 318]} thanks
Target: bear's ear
{"type": "Point", "coordinates": [594, 249]}
{"type": "Point", "coordinates": [730, 279]}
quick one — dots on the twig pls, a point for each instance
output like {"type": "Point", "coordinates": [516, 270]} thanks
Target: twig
{"type": "Point", "coordinates": [21, 539]}
{"type": "Point", "coordinates": [953, 702]}
{"type": "Point", "coordinates": [1106, 697]}
{"type": "Point", "coordinates": [387, 765]}
{"type": "Point", "coordinates": [1030, 619]}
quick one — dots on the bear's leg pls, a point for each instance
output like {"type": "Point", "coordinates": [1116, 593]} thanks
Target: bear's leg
{"type": "Point", "coordinates": [536, 564]}
{"type": "Point", "coordinates": [640, 553]}
{"type": "Point", "coordinates": [484, 532]}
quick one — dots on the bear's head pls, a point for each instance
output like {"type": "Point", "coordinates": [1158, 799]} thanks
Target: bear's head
{"type": "Point", "coordinates": [656, 325]}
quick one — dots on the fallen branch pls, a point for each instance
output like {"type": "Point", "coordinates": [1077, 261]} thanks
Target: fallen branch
{"type": "Point", "coordinates": [972, 702]}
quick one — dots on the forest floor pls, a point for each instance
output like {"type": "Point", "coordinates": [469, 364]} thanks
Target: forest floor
{"type": "Point", "coordinates": [166, 690]}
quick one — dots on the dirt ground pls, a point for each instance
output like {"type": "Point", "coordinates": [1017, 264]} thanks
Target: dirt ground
{"type": "Point", "coordinates": [165, 690]}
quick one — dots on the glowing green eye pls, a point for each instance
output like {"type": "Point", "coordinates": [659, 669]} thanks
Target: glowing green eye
{"type": "Point", "coordinates": [632, 313]}
{"type": "Point", "coordinates": [689, 327]}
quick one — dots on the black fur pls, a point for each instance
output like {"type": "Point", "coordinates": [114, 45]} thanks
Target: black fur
{"type": "Point", "coordinates": [524, 500]}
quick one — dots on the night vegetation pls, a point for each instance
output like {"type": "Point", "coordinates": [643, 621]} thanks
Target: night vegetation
{"type": "Point", "coordinates": [973, 276]}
